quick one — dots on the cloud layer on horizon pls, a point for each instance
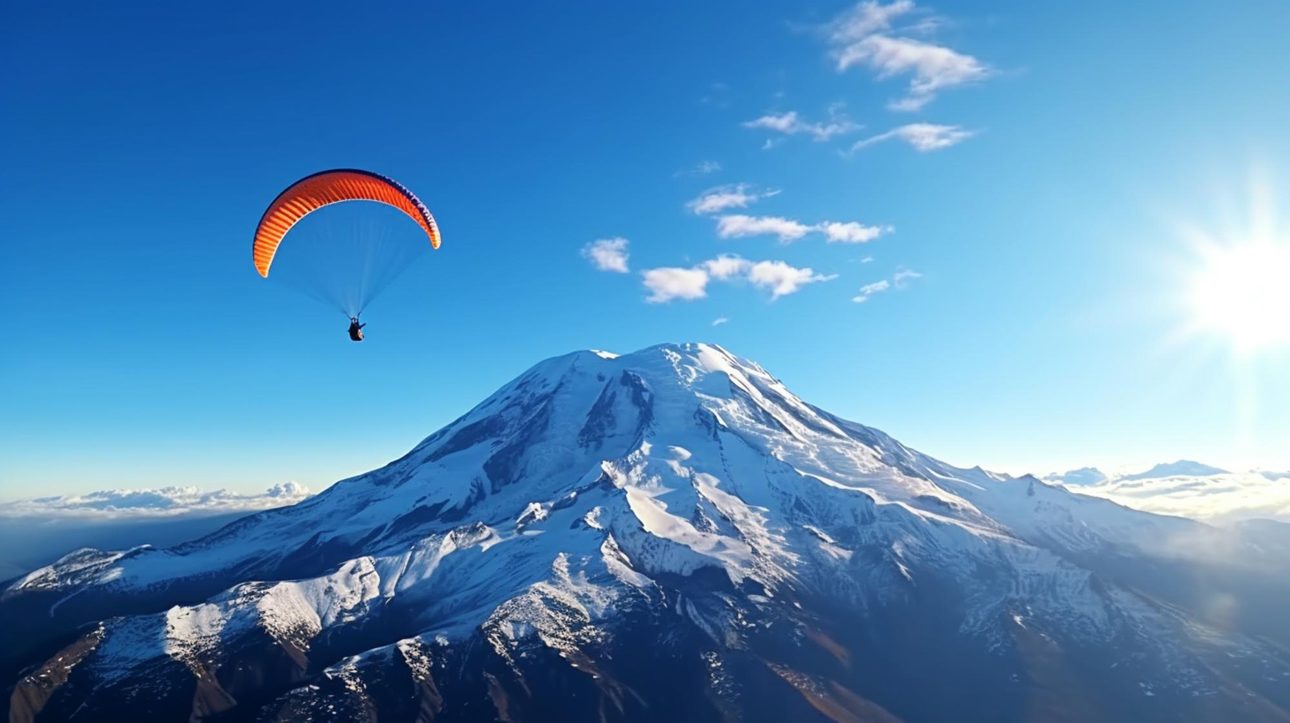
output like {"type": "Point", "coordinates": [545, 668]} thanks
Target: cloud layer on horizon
{"type": "Point", "coordinates": [163, 502]}
{"type": "Point", "coordinates": [1227, 497]}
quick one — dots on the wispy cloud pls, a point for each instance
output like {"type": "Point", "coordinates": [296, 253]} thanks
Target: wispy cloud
{"type": "Point", "coordinates": [933, 67]}
{"type": "Point", "coordinates": [669, 283]}
{"type": "Point", "coordinates": [865, 19]}
{"type": "Point", "coordinates": [899, 280]}
{"type": "Point", "coordinates": [791, 124]}
{"type": "Point", "coordinates": [777, 277]}
{"type": "Point", "coordinates": [702, 168]}
{"type": "Point", "coordinates": [722, 198]}
{"type": "Point", "coordinates": [868, 290]}
{"type": "Point", "coordinates": [866, 36]}
{"type": "Point", "coordinates": [162, 502]}
{"type": "Point", "coordinates": [718, 96]}
{"type": "Point", "coordinates": [739, 226]}
{"type": "Point", "coordinates": [720, 320]}
{"type": "Point", "coordinates": [851, 232]}
{"type": "Point", "coordinates": [923, 137]}
{"type": "Point", "coordinates": [789, 230]}
{"type": "Point", "coordinates": [903, 276]}
{"type": "Point", "coordinates": [608, 254]}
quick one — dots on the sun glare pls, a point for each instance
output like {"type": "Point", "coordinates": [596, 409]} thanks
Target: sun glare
{"type": "Point", "coordinates": [1242, 293]}
{"type": "Point", "coordinates": [1236, 286]}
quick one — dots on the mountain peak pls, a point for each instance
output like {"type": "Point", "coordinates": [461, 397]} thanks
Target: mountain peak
{"type": "Point", "coordinates": [676, 506]}
{"type": "Point", "coordinates": [1181, 468]}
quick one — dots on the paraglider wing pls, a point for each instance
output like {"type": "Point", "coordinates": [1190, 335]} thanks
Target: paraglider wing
{"type": "Point", "coordinates": [321, 189]}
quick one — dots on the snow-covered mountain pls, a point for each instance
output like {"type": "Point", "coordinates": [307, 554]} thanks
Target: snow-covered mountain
{"type": "Point", "coordinates": [1181, 468]}
{"type": "Point", "coordinates": [669, 534]}
{"type": "Point", "coordinates": [1093, 475]}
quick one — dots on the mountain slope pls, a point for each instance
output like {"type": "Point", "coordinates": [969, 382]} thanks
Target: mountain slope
{"type": "Point", "coordinates": [666, 533]}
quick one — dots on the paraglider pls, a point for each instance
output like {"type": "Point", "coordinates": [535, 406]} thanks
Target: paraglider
{"type": "Point", "coordinates": [352, 284]}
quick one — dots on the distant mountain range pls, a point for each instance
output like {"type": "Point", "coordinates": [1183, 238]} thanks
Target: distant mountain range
{"type": "Point", "coordinates": [1189, 489]}
{"type": "Point", "coordinates": [35, 532]}
{"type": "Point", "coordinates": [666, 535]}
{"type": "Point", "coordinates": [1093, 475]}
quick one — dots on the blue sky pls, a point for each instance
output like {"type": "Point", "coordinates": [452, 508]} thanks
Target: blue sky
{"type": "Point", "coordinates": [1029, 169]}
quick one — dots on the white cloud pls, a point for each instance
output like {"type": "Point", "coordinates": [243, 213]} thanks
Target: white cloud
{"type": "Point", "coordinates": [899, 280]}
{"type": "Point", "coordinates": [867, 260]}
{"type": "Point", "coordinates": [909, 104]}
{"type": "Point", "coordinates": [782, 279]}
{"type": "Point", "coordinates": [851, 232]}
{"type": "Point", "coordinates": [788, 229]}
{"type": "Point", "coordinates": [726, 266]}
{"type": "Point", "coordinates": [608, 254]}
{"type": "Point", "coordinates": [786, 123]}
{"type": "Point", "coordinates": [164, 502]}
{"type": "Point", "coordinates": [868, 290]}
{"type": "Point", "coordinates": [923, 137]}
{"type": "Point", "coordinates": [720, 320]}
{"type": "Point", "coordinates": [666, 284]}
{"type": "Point", "coordinates": [739, 226]}
{"type": "Point", "coordinates": [903, 276]}
{"type": "Point", "coordinates": [1223, 497]}
{"type": "Point", "coordinates": [791, 124]}
{"type": "Point", "coordinates": [862, 37]}
{"type": "Point", "coordinates": [865, 19]}
{"type": "Point", "coordinates": [778, 277]}
{"type": "Point", "coordinates": [933, 67]}
{"type": "Point", "coordinates": [721, 198]}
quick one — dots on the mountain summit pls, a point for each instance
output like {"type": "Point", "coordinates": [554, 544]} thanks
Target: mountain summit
{"type": "Point", "coordinates": [668, 534]}
{"type": "Point", "coordinates": [1181, 468]}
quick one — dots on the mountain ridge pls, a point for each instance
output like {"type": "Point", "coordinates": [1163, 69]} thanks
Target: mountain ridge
{"type": "Point", "coordinates": [599, 499]}
{"type": "Point", "coordinates": [1182, 467]}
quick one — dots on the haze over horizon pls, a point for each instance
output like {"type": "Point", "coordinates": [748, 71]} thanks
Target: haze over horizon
{"type": "Point", "coordinates": [1009, 251]}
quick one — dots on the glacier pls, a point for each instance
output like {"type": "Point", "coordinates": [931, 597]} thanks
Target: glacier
{"type": "Point", "coordinates": [677, 505]}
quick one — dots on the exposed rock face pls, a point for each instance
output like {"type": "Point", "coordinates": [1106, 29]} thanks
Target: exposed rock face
{"type": "Point", "coordinates": [669, 534]}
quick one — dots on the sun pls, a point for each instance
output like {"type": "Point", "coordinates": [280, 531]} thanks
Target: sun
{"type": "Point", "coordinates": [1241, 291]}
{"type": "Point", "coordinates": [1236, 280]}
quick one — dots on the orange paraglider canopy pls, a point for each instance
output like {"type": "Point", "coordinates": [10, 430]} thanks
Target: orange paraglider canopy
{"type": "Point", "coordinates": [327, 187]}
